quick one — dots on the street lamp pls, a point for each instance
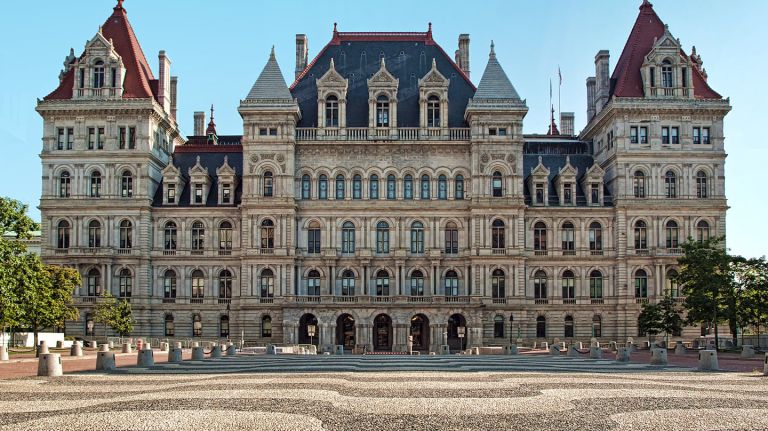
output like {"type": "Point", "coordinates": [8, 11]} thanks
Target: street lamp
{"type": "Point", "coordinates": [311, 330]}
{"type": "Point", "coordinates": [462, 331]}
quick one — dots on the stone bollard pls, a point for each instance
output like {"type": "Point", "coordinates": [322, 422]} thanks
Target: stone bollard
{"type": "Point", "coordinates": [49, 365]}
{"type": "Point", "coordinates": [146, 357]}
{"type": "Point", "coordinates": [511, 349]}
{"type": "Point", "coordinates": [659, 357]}
{"type": "Point", "coordinates": [612, 346]}
{"type": "Point", "coordinates": [195, 344]}
{"type": "Point", "coordinates": [105, 361]}
{"type": "Point", "coordinates": [445, 349]}
{"type": "Point", "coordinates": [231, 350]}
{"type": "Point", "coordinates": [475, 351]}
{"type": "Point", "coordinates": [338, 350]}
{"type": "Point", "coordinates": [622, 354]}
{"type": "Point", "coordinates": [163, 347]}
{"type": "Point", "coordinates": [93, 344]}
{"type": "Point", "coordinates": [216, 351]}
{"type": "Point", "coordinates": [42, 347]}
{"type": "Point", "coordinates": [198, 354]}
{"type": "Point", "coordinates": [111, 345]}
{"type": "Point", "coordinates": [595, 352]}
{"type": "Point", "coordinates": [680, 348]}
{"type": "Point", "coordinates": [139, 344]}
{"type": "Point", "coordinates": [572, 352]}
{"type": "Point", "coordinates": [127, 348]}
{"type": "Point", "coordinates": [104, 348]}
{"type": "Point", "coordinates": [59, 344]}
{"type": "Point", "coordinates": [4, 353]}
{"type": "Point", "coordinates": [271, 349]}
{"type": "Point", "coordinates": [747, 351]}
{"type": "Point", "coordinates": [175, 355]}
{"type": "Point", "coordinates": [708, 360]}
{"type": "Point", "coordinates": [177, 344]}
{"type": "Point", "coordinates": [76, 349]}
{"type": "Point", "coordinates": [554, 350]}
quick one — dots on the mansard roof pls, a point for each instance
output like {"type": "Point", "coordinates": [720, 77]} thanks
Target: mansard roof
{"type": "Point", "coordinates": [139, 82]}
{"type": "Point", "coordinates": [212, 161]}
{"type": "Point", "coordinates": [495, 84]}
{"type": "Point", "coordinates": [357, 57]}
{"type": "Point", "coordinates": [270, 84]}
{"type": "Point", "coordinates": [626, 80]}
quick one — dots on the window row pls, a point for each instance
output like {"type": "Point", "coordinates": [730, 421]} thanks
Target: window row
{"type": "Point", "coordinates": [672, 184]}
{"type": "Point", "coordinates": [499, 325]}
{"type": "Point", "coordinates": [95, 138]}
{"type": "Point", "coordinates": [95, 182]}
{"type": "Point", "coordinates": [672, 237]}
{"type": "Point", "coordinates": [412, 188]}
{"type": "Point", "coordinates": [93, 283]}
{"type": "Point", "coordinates": [669, 135]}
{"type": "Point", "coordinates": [95, 234]}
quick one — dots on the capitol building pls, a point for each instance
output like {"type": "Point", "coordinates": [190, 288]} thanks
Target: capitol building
{"type": "Point", "coordinates": [384, 195]}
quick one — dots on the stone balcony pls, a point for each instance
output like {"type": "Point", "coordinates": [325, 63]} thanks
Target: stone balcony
{"type": "Point", "coordinates": [382, 133]}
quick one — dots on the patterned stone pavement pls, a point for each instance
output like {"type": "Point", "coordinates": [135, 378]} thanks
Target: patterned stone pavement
{"type": "Point", "coordinates": [389, 393]}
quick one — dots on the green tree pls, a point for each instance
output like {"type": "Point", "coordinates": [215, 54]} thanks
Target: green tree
{"type": "Point", "coordinates": [670, 319]}
{"type": "Point", "coordinates": [650, 320]}
{"type": "Point", "coordinates": [752, 287]}
{"type": "Point", "coordinates": [117, 315]}
{"type": "Point", "coordinates": [104, 310]}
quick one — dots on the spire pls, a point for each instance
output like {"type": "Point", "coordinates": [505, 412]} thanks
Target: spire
{"type": "Point", "coordinates": [494, 84]}
{"type": "Point", "coordinates": [493, 51]}
{"type": "Point", "coordinates": [270, 84]}
{"type": "Point", "coordinates": [119, 5]}
{"type": "Point", "coordinates": [213, 137]}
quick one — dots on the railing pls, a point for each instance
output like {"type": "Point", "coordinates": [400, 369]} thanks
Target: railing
{"type": "Point", "coordinates": [675, 251]}
{"type": "Point", "coordinates": [226, 301]}
{"type": "Point", "coordinates": [263, 300]}
{"type": "Point", "coordinates": [312, 299]}
{"type": "Point", "coordinates": [499, 251]}
{"type": "Point", "coordinates": [169, 252]}
{"type": "Point", "coordinates": [642, 251]}
{"type": "Point", "coordinates": [196, 300]}
{"type": "Point", "coordinates": [197, 252]}
{"type": "Point", "coordinates": [540, 252]}
{"type": "Point", "coordinates": [541, 301]}
{"type": "Point", "coordinates": [87, 299]}
{"type": "Point", "coordinates": [379, 133]}
{"type": "Point", "coordinates": [169, 300]}
{"type": "Point", "coordinates": [225, 252]}
{"type": "Point", "coordinates": [382, 299]}
{"type": "Point", "coordinates": [597, 301]}
{"type": "Point", "coordinates": [453, 299]}
{"type": "Point", "coordinates": [419, 299]}
{"type": "Point", "coordinates": [569, 301]}
{"type": "Point", "coordinates": [344, 299]}
{"type": "Point", "coordinates": [124, 250]}
{"type": "Point", "coordinates": [499, 300]}
{"type": "Point", "coordinates": [596, 252]}
{"type": "Point", "coordinates": [61, 251]}
{"type": "Point", "coordinates": [641, 300]}
{"type": "Point", "coordinates": [569, 252]}
{"type": "Point", "coordinates": [266, 251]}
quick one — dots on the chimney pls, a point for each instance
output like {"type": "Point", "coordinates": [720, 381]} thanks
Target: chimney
{"type": "Point", "coordinates": [174, 84]}
{"type": "Point", "coordinates": [463, 53]}
{"type": "Point", "coordinates": [302, 51]}
{"type": "Point", "coordinates": [590, 98]}
{"type": "Point", "coordinates": [199, 123]}
{"type": "Point", "coordinates": [603, 82]}
{"type": "Point", "coordinates": [566, 123]}
{"type": "Point", "coordinates": [164, 82]}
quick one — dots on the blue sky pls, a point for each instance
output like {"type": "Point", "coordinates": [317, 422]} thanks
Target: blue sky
{"type": "Point", "coordinates": [219, 48]}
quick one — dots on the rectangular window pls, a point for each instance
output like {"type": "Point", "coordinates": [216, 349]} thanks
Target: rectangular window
{"type": "Point", "coordinates": [226, 193]}
{"type": "Point", "coordinates": [705, 135]}
{"type": "Point", "coordinates": [567, 194]}
{"type": "Point", "coordinates": [114, 77]}
{"type": "Point", "coordinates": [685, 77]}
{"type": "Point", "coordinates": [540, 194]}
{"type": "Point", "coordinates": [313, 241]}
{"type": "Point", "coordinates": [91, 137]}
{"type": "Point", "coordinates": [81, 84]}
{"type": "Point", "coordinates": [633, 138]}
{"type": "Point", "coordinates": [70, 138]}
{"type": "Point", "coordinates": [652, 74]}
{"type": "Point", "coordinates": [492, 131]}
{"type": "Point", "coordinates": [263, 131]}
{"type": "Point", "coordinates": [121, 138]}
{"type": "Point", "coordinates": [697, 135]}
{"type": "Point", "coordinates": [675, 135]}
{"type": "Point", "coordinates": [131, 138]}
{"type": "Point", "coordinates": [643, 135]}
{"type": "Point", "coordinates": [665, 135]}
{"type": "Point", "coordinates": [502, 131]}
{"type": "Point", "coordinates": [60, 137]}
{"type": "Point", "coordinates": [171, 193]}
{"type": "Point", "coordinates": [594, 194]}
{"type": "Point", "coordinates": [272, 131]}
{"type": "Point", "coordinates": [100, 138]}
{"type": "Point", "coordinates": [198, 193]}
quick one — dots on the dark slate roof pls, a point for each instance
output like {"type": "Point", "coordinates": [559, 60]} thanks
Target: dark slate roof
{"type": "Point", "coordinates": [495, 84]}
{"type": "Point", "coordinates": [408, 57]}
{"type": "Point", "coordinates": [184, 160]}
{"type": "Point", "coordinates": [270, 84]}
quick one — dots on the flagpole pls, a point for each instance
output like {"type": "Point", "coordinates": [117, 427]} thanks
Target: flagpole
{"type": "Point", "coordinates": [559, 109]}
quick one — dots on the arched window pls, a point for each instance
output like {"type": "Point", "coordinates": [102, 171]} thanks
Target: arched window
{"type": "Point", "coordinates": [498, 326]}
{"type": "Point", "coordinates": [425, 194]}
{"type": "Point", "coordinates": [541, 327]}
{"type": "Point", "coordinates": [391, 187]}
{"type": "Point", "coordinates": [65, 185]}
{"type": "Point", "coordinates": [198, 284]}
{"type": "Point", "coordinates": [306, 187]}
{"type": "Point", "coordinates": [666, 74]}
{"type": "Point", "coordinates": [373, 187]}
{"type": "Point", "coordinates": [568, 243]}
{"type": "Point", "coordinates": [62, 234]}
{"type": "Point", "coordinates": [266, 327]}
{"type": "Point", "coordinates": [357, 187]}
{"type": "Point", "coordinates": [267, 234]}
{"type": "Point", "coordinates": [169, 236]}
{"type": "Point", "coordinates": [313, 237]}
{"type": "Point", "coordinates": [417, 283]}
{"type": "Point", "coordinates": [347, 283]}
{"type": "Point", "coordinates": [93, 282]}
{"type": "Point", "coordinates": [340, 189]}
{"type": "Point", "coordinates": [672, 234]}
{"type": "Point", "coordinates": [269, 184]}
{"type": "Point", "coordinates": [169, 284]}
{"type": "Point", "coordinates": [498, 284]}
{"type": "Point", "coordinates": [433, 111]}
{"type": "Point", "coordinates": [197, 326]}
{"type": "Point", "coordinates": [672, 288]}
{"type": "Point", "coordinates": [568, 284]}
{"type": "Point", "coordinates": [126, 234]}
{"type": "Point", "coordinates": [670, 184]}
{"type": "Point", "coordinates": [641, 235]}
{"type": "Point", "coordinates": [568, 333]}
{"type": "Point", "coordinates": [198, 236]}
{"type": "Point", "coordinates": [382, 283]}
{"type": "Point", "coordinates": [224, 326]}
{"type": "Point", "coordinates": [540, 285]}
{"type": "Point", "coordinates": [497, 185]}
{"type": "Point", "coordinates": [442, 187]}
{"type": "Point", "coordinates": [322, 187]}
{"type": "Point", "coordinates": [597, 326]}
{"type": "Point", "coordinates": [382, 111]}
{"type": "Point", "coordinates": [267, 284]}
{"type": "Point", "coordinates": [458, 187]}
{"type": "Point", "coordinates": [94, 234]}
{"type": "Point", "coordinates": [596, 285]}
{"type": "Point", "coordinates": [595, 236]}
{"type": "Point", "coordinates": [451, 283]}
{"type": "Point", "coordinates": [540, 236]}
{"type": "Point", "coordinates": [451, 238]}
{"type": "Point", "coordinates": [348, 237]}
{"type": "Point", "coordinates": [638, 182]}
{"type": "Point", "coordinates": [225, 284]}
{"type": "Point", "coordinates": [382, 237]}
{"type": "Point", "coordinates": [417, 237]}
{"type": "Point", "coordinates": [702, 191]}
{"type": "Point", "coordinates": [408, 187]}
{"type": "Point", "coordinates": [95, 184]}
{"type": "Point", "coordinates": [126, 184]}
{"type": "Point", "coordinates": [498, 234]}
{"type": "Point", "coordinates": [98, 74]}
{"type": "Point", "coordinates": [702, 231]}
{"type": "Point", "coordinates": [313, 283]}
{"type": "Point", "coordinates": [125, 283]}
{"type": "Point", "coordinates": [225, 237]}
{"type": "Point", "coordinates": [170, 326]}
{"type": "Point", "coordinates": [641, 284]}
{"type": "Point", "coordinates": [332, 111]}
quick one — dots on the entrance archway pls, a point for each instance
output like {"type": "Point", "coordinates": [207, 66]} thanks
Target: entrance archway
{"type": "Point", "coordinates": [345, 331]}
{"type": "Point", "coordinates": [420, 332]}
{"type": "Point", "coordinates": [455, 322]}
{"type": "Point", "coordinates": [305, 322]}
{"type": "Point", "coordinates": [382, 333]}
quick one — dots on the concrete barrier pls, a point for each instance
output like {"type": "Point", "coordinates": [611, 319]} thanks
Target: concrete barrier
{"type": "Point", "coordinates": [105, 361]}
{"type": "Point", "coordinates": [680, 348]}
{"type": "Point", "coordinates": [659, 357]}
{"type": "Point", "coordinates": [231, 350]}
{"type": "Point", "coordinates": [595, 352]}
{"type": "Point", "coordinates": [175, 355]}
{"type": "Point", "coordinates": [708, 360]}
{"type": "Point", "coordinates": [42, 348]}
{"type": "Point", "coordinates": [216, 351]}
{"type": "Point", "coordinates": [271, 349]}
{"type": "Point", "coordinates": [198, 354]}
{"type": "Point", "coordinates": [76, 349]}
{"type": "Point", "coordinates": [93, 344]}
{"type": "Point", "coordinates": [104, 348]}
{"type": "Point", "coordinates": [572, 352]}
{"type": "Point", "coordinates": [554, 350]}
{"type": "Point", "coordinates": [127, 348]}
{"type": "Point", "coordinates": [338, 350]}
{"type": "Point", "coordinates": [49, 365]}
{"type": "Point", "coordinates": [4, 353]}
{"type": "Point", "coordinates": [747, 351]}
{"type": "Point", "coordinates": [146, 357]}
{"type": "Point", "coordinates": [622, 354]}
{"type": "Point", "coordinates": [445, 349]}
{"type": "Point", "coordinates": [510, 350]}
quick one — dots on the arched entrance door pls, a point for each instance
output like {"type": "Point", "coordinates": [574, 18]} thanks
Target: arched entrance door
{"type": "Point", "coordinates": [420, 332]}
{"type": "Point", "coordinates": [345, 331]}
{"type": "Point", "coordinates": [382, 333]}
{"type": "Point", "coordinates": [455, 322]}
{"type": "Point", "coordinates": [309, 331]}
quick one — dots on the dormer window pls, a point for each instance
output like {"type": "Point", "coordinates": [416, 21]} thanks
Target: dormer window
{"type": "Point", "coordinates": [226, 193]}
{"type": "Point", "coordinates": [666, 74]}
{"type": "Point", "coordinates": [170, 194]}
{"type": "Point", "coordinates": [433, 111]}
{"type": "Point", "coordinates": [594, 194]}
{"type": "Point", "coordinates": [539, 194]}
{"type": "Point", "coordinates": [198, 194]}
{"type": "Point", "coordinates": [332, 111]}
{"type": "Point", "coordinates": [382, 111]}
{"type": "Point", "coordinates": [567, 194]}
{"type": "Point", "coordinates": [98, 74]}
